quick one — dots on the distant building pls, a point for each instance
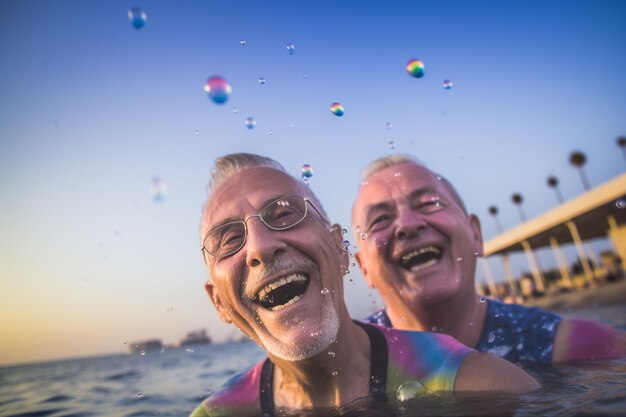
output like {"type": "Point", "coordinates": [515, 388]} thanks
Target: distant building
{"type": "Point", "coordinates": [145, 346]}
{"type": "Point", "coordinates": [197, 337]}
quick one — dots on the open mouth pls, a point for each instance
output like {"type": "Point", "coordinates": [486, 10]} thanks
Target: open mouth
{"type": "Point", "coordinates": [421, 258]}
{"type": "Point", "coordinates": [283, 292]}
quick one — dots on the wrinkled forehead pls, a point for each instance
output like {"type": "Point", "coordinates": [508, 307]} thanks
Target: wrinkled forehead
{"type": "Point", "coordinates": [245, 193]}
{"type": "Point", "coordinates": [396, 183]}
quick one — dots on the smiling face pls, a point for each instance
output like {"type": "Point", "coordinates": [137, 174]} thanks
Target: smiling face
{"type": "Point", "coordinates": [417, 246]}
{"type": "Point", "coordinates": [282, 288]}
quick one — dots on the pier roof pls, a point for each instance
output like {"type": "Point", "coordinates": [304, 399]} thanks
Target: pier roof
{"type": "Point", "coordinates": [589, 211]}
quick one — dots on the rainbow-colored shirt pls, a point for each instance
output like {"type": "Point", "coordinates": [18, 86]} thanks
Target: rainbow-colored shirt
{"type": "Point", "coordinates": [397, 356]}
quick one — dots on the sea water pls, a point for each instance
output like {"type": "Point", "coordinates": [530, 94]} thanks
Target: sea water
{"type": "Point", "coordinates": [172, 382]}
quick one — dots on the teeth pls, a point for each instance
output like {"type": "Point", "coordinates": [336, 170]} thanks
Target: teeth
{"type": "Point", "coordinates": [279, 283]}
{"type": "Point", "coordinates": [287, 304]}
{"type": "Point", "coordinates": [417, 267]}
{"type": "Point", "coordinates": [408, 256]}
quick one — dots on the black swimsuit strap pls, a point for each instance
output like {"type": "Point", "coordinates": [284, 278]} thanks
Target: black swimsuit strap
{"type": "Point", "coordinates": [379, 355]}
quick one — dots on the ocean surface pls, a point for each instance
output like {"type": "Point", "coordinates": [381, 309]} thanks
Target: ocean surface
{"type": "Point", "coordinates": [172, 382]}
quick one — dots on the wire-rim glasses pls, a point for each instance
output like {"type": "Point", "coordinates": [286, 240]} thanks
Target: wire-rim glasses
{"type": "Point", "coordinates": [281, 214]}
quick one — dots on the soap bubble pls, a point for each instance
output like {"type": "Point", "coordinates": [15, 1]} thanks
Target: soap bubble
{"type": "Point", "coordinates": [157, 189]}
{"type": "Point", "coordinates": [307, 173]}
{"type": "Point", "coordinates": [291, 49]}
{"type": "Point", "coordinates": [336, 109]}
{"type": "Point", "coordinates": [446, 84]}
{"type": "Point", "coordinates": [410, 390]}
{"type": "Point", "coordinates": [250, 122]}
{"type": "Point", "coordinates": [218, 89]}
{"type": "Point", "coordinates": [415, 68]}
{"type": "Point", "coordinates": [137, 17]}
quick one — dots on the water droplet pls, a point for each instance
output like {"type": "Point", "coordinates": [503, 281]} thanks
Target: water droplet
{"type": "Point", "coordinates": [270, 133]}
{"type": "Point", "coordinates": [476, 253]}
{"type": "Point", "coordinates": [196, 131]}
{"type": "Point", "coordinates": [188, 349]}
{"type": "Point", "coordinates": [291, 49]}
{"type": "Point", "coordinates": [446, 84]}
{"type": "Point", "coordinates": [482, 299]}
{"type": "Point", "coordinates": [434, 328]}
{"type": "Point", "coordinates": [459, 259]}
{"type": "Point", "coordinates": [363, 236]}
{"type": "Point", "coordinates": [395, 338]}
{"type": "Point", "coordinates": [262, 81]}
{"type": "Point", "coordinates": [415, 68]}
{"type": "Point", "coordinates": [334, 373]}
{"type": "Point", "coordinates": [391, 144]}
{"type": "Point", "coordinates": [332, 228]}
{"type": "Point", "coordinates": [410, 390]}
{"type": "Point", "coordinates": [344, 231]}
{"type": "Point", "coordinates": [621, 203]}
{"type": "Point", "coordinates": [139, 394]}
{"type": "Point", "coordinates": [491, 337]}
{"type": "Point", "coordinates": [142, 353]}
{"type": "Point", "coordinates": [346, 244]}
{"type": "Point", "coordinates": [439, 177]}
{"type": "Point", "coordinates": [242, 42]}
{"type": "Point", "coordinates": [336, 109]}
{"type": "Point", "coordinates": [397, 174]}
{"type": "Point", "coordinates": [250, 122]}
{"type": "Point", "coordinates": [291, 125]}
{"type": "Point", "coordinates": [137, 17]}
{"type": "Point", "coordinates": [218, 89]}
{"type": "Point", "coordinates": [331, 354]}
{"type": "Point", "coordinates": [235, 110]}
{"type": "Point", "coordinates": [402, 319]}
{"type": "Point", "coordinates": [325, 291]}
{"type": "Point", "coordinates": [389, 125]}
{"type": "Point", "coordinates": [357, 228]}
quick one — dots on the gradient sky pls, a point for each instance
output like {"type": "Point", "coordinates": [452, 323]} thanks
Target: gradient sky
{"type": "Point", "coordinates": [91, 109]}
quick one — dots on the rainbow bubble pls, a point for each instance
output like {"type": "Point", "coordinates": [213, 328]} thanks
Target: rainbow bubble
{"type": "Point", "coordinates": [307, 172]}
{"type": "Point", "coordinates": [336, 109]}
{"type": "Point", "coordinates": [446, 84]}
{"type": "Point", "coordinates": [250, 122]}
{"type": "Point", "coordinates": [157, 189]}
{"type": "Point", "coordinates": [218, 89]}
{"type": "Point", "coordinates": [415, 68]}
{"type": "Point", "coordinates": [137, 17]}
{"type": "Point", "coordinates": [291, 49]}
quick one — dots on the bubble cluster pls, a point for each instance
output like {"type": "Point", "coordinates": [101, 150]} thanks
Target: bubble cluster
{"type": "Point", "coordinates": [336, 109]}
{"type": "Point", "coordinates": [250, 122]}
{"type": "Point", "coordinates": [157, 189]}
{"type": "Point", "coordinates": [137, 17]}
{"type": "Point", "coordinates": [307, 173]}
{"type": "Point", "coordinates": [446, 84]}
{"type": "Point", "coordinates": [291, 49]}
{"type": "Point", "coordinates": [218, 89]}
{"type": "Point", "coordinates": [410, 390]}
{"type": "Point", "coordinates": [415, 68]}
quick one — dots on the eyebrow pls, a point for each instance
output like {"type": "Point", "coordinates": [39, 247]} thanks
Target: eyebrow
{"type": "Point", "coordinates": [238, 219]}
{"type": "Point", "coordinates": [386, 205]}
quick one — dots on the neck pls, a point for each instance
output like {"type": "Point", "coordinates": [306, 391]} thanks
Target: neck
{"type": "Point", "coordinates": [337, 376]}
{"type": "Point", "coordinates": [462, 319]}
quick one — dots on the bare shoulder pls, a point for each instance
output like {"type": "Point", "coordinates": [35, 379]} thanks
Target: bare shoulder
{"type": "Point", "coordinates": [484, 372]}
{"type": "Point", "coordinates": [578, 339]}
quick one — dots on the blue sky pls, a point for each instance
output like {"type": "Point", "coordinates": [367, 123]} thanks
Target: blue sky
{"type": "Point", "coordinates": [91, 109]}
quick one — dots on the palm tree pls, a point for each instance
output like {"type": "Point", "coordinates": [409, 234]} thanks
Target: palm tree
{"type": "Point", "coordinates": [493, 210]}
{"type": "Point", "coordinates": [621, 142]}
{"type": "Point", "coordinates": [553, 183]}
{"type": "Point", "coordinates": [578, 160]}
{"type": "Point", "coordinates": [517, 200]}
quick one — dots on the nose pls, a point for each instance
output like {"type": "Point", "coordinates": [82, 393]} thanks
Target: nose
{"type": "Point", "coordinates": [262, 244]}
{"type": "Point", "coordinates": [409, 223]}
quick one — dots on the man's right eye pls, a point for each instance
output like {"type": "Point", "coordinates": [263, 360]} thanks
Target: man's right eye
{"type": "Point", "coordinates": [380, 222]}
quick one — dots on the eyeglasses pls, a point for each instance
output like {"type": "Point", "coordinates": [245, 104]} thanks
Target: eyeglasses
{"type": "Point", "coordinates": [281, 214]}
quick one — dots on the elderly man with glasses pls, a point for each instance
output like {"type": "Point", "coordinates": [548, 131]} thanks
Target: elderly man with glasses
{"type": "Point", "coordinates": [276, 267]}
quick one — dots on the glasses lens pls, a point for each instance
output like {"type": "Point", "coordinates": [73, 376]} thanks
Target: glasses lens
{"type": "Point", "coordinates": [285, 212]}
{"type": "Point", "coordinates": [225, 239]}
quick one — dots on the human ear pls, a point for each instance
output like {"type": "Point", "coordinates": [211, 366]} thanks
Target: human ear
{"type": "Point", "coordinates": [358, 256]}
{"type": "Point", "coordinates": [214, 295]}
{"type": "Point", "coordinates": [477, 234]}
